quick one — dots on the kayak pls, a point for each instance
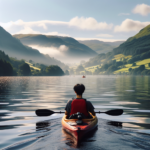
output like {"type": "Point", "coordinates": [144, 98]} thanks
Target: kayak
{"type": "Point", "coordinates": [78, 131]}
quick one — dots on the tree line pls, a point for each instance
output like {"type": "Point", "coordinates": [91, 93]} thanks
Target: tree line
{"type": "Point", "coordinates": [13, 67]}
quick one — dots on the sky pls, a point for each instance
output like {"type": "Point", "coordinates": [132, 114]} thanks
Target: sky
{"type": "Point", "coordinates": [105, 20]}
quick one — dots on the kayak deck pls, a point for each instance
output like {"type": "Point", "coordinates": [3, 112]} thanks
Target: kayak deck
{"type": "Point", "coordinates": [79, 131]}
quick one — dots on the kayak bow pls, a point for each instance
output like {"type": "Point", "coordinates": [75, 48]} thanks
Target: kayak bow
{"type": "Point", "coordinates": [76, 130]}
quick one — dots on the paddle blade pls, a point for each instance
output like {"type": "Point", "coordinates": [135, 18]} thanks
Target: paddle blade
{"type": "Point", "coordinates": [44, 112]}
{"type": "Point", "coordinates": [115, 112]}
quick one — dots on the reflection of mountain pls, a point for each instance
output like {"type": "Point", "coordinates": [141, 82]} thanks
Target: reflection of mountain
{"type": "Point", "coordinates": [73, 48]}
{"type": "Point", "coordinates": [100, 46]}
{"type": "Point", "coordinates": [14, 48]}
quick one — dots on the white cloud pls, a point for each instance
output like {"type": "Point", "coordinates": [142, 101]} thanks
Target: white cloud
{"type": "Point", "coordinates": [130, 25]}
{"type": "Point", "coordinates": [104, 35]}
{"type": "Point", "coordinates": [142, 9]}
{"type": "Point", "coordinates": [89, 24]}
{"type": "Point", "coordinates": [123, 14]}
{"type": "Point", "coordinates": [35, 27]}
{"type": "Point", "coordinates": [20, 26]}
{"type": "Point", "coordinates": [27, 30]}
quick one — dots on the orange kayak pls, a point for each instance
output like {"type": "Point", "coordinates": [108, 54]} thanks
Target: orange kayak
{"type": "Point", "coordinates": [78, 131]}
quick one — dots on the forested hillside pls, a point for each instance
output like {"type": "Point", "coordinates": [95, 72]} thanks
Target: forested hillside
{"type": "Point", "coordinates": [13, 67]}
{"type": "Point", "coordinates": [138, 44]}
{"type": "Point", "coordinates": [131, 57]}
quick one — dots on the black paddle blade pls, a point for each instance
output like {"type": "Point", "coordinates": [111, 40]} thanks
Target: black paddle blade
{"type": "Point", "coordinates": [44, 112]}
{"type": "Point", "coordinates": [115, 112]}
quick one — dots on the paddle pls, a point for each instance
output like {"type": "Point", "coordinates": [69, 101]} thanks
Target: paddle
{"type": "Point", "coordinates": [46, 112]}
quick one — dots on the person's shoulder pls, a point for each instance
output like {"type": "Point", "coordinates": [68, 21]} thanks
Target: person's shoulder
{"type": "Point", "coordinates": [89, 102]}
{"type": "Point", "coordinates": [70, 101]}
{"type": "Point", "coordinates": [86, 100]}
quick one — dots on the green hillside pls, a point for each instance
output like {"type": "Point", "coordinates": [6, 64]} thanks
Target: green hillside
{"type": "Point", "coordinates": [131, 57]}
{"type": "Point", "coordinates": [138, 44]}
{"type": "Point", "coordinates": [142, 33]}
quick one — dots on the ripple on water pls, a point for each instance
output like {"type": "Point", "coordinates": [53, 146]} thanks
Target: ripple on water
{"type": "Point", "coordinates": [50, 135]}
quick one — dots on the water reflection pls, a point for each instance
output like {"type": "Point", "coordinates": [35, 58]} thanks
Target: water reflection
{"type": "Point", "coordinates": [43, 125]}
{"type": "Point", "coordinates": [69, 139]}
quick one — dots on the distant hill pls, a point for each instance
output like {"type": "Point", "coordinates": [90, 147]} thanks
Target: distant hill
{"type": "Point", "coordinates": [74, 48]}
{"type": "Point", "coordinates": [100, 46]}
{"type": "Point", "coordinates": [14, 48]}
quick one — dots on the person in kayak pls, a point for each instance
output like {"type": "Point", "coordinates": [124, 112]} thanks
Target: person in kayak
{"type": "Point", "coordinates": [79, 104]}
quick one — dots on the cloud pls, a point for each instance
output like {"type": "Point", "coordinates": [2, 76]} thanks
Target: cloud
{"type": "Point", "coordinates": [28, 30]}
{"type": "Point", "coordinates": [123, 14]}
{"type": "Point", "coordinates": [104, 35]}
{"type": "Point", "coordinates": [142, 9]}
{"type": "Point", "coordinates": [47, 26]}
{"type": "Point", "coordinates": [89, 24]}
{"type": "Point", "coordinates": [130, 25]}
{"type": "Point", "coordinates": [35, 27]}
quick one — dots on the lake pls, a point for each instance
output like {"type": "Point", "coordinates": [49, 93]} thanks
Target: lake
{"type": "Point", "coordinates": [20, 128]}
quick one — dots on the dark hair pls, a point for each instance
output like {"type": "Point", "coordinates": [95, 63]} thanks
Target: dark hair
{"type": "Point", "coordinates": [79, 89]}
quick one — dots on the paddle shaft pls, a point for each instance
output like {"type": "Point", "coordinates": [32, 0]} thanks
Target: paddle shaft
{"type": "Point", "coordinates": [99, 112]}
{"type": "Point", "coordinates": [46, 112]}
{"type": "Point", "coordinates": [64, 112]}
{"type": "Point", "coordinates": [59, 112]}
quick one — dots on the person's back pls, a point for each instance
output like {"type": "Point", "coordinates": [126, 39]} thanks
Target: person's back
{"type": "Point", "coordinates": [79, 104]}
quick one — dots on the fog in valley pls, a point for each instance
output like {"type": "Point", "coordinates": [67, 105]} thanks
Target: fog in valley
{"type": "Point", "coordinates": [59, 53]}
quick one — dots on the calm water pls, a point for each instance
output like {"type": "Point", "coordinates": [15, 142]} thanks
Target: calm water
{"type": "Point", "coordinates": [20, 128]}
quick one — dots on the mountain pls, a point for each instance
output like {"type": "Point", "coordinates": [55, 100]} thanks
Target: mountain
{"type": "Point", "coordinates": [100, 46]}
{"type": "Point", "coordinates": [137, 47]}
{"type": "Point", "coordinates": [138, 44]}
{"type": "Point", "coordinates": [68, 47]}
{"type": "Point", "coordinates": [14, 48]}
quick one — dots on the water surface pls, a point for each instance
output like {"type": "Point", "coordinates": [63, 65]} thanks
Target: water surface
{"type": "Point", "coordinates": [20, 128]}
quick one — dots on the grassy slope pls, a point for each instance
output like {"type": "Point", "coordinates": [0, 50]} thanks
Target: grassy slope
{"type": "Point", "coordinates": [126, 67]}
{"type": "Point", "coordinates": [138, 63]}
{"type": "Point", "coordinates": [92, 68]}
{"type": "Point", "coordinates": [31, 66]}
{"type": "Point", "coordinates": [135, 45]}
{"type": "Point", "coordinates": [142, 33]}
